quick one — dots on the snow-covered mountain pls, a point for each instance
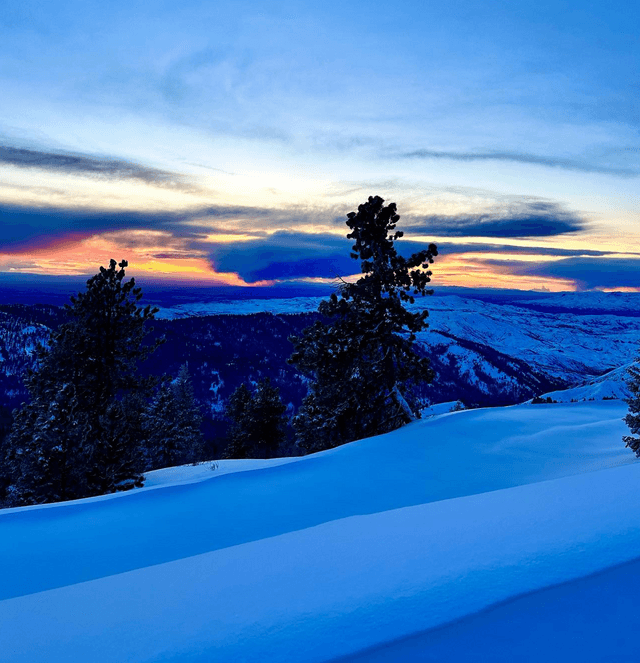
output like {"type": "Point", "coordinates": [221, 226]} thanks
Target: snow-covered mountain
{"type": "Point", "coordinates": [615, 303]}
{"type": "Point", "coordinates": [619, 303]}
{"type": "Point", "coordinates": [566, 345]}
{"type": "Point", "coordinates": [496, 517]}
{"type": "Point", "coordinates": [485, 350]}
{"type": "Point", "coordinates": [565, 337]}
{"type": "Point", "coordinates": [578, 335]}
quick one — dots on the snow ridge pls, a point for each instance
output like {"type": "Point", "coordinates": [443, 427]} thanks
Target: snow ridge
{"type": "Point", "coordinates": [326, 555]}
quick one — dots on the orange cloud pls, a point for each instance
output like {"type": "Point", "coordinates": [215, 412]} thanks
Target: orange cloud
{"type": "Point", "coordinates": [81, 254]}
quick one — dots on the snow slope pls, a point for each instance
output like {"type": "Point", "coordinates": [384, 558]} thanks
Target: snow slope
{"type": "Point", "coordinates": [591, 619]}
{"type": "Point", "coordinates": [612, 384]}
{"type": "Point", "coordinates": [326, 555]}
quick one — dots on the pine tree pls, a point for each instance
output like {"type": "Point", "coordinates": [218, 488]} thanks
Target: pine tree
{"type": "Point", "coordinates": [240, 434]}
{"type": "Point", "coordinates": [173, 424]}
{"type": "Point", "coordinates": [362, 358]}
{"type": "Point", "coordinates": [269, 413]}
{"type": "Point", "coordinates": [633, 418]}
{"type": "Point", "coordinates": [47, 441]}
{"type": "Point", "coordinates": [258, 426]}
{"type": "Point", "coordinates": [80, 434]}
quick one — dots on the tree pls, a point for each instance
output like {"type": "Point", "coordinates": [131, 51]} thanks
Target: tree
{"type": "Point", "coordinates": [362, 359]}
{"type": "Point", "coordinates": [633, 418]}
{"type": "Point", "coordinates": [240, 434]}
{"type": "Point", "coordinates": [80, 434]}
{"type": "Point", "coordinates": [172, 424]}
{"type": "Point", "coordinates": [47, 449]}
{"type": "Point", "coordinates": [258, 421]}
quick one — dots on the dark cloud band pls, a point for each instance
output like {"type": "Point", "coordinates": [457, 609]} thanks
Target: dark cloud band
{"type": "Point", "coordinates": [454, 248]}
{"type": "Point", "coordinates": [23, 227]}
{"type": "Point", "coordinates": [285, 255]}
{"type": "Point", "coordinates": [522, 157]}
{"type": "Point", "coordinates": [70, 163]}
{"type": "Point", "coordinates": [587, 273]}
{"type": "Point", "coordinates": [529, 219]}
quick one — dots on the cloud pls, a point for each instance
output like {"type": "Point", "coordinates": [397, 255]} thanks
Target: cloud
{"type": "Point", "coordinates": [23, 227]}
{"type": "Point", "coordinates": [454, 248]}
{"type": "Point", "coordinates": [279, 255]}
{"type": "Point", "coordinates": [587, 273]}
{"type": "Point", "coordinates": [579, 165]}
{"type": "Point", "coordinates": [523, 220]}
{"type": "Point", "coordinates": [81, 164]}
{"type": "Point", "coordinates": [286, 255]}
{"type": "Point", "coordinates": [291, 255]}
{"type": "Point", "coordinates": [30, 226]}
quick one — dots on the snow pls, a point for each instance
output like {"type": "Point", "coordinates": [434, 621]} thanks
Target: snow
{"type": "Point", "coordinates": [184, 474]}
{"type": "Point", "coordinates": [240, 307]}
{"type": "Point", "coordinates": [612, 384]}
{"type": "Point", "coordinates": [567, 345]}
{"type": "Point", "coordinates": [352, 549]}
{"type": "Point", "coordinates": [593, 619]}
{"type": "Point", "coordinates": [440, 408]}
{"type": "Point", "coordinates": [576, 334]}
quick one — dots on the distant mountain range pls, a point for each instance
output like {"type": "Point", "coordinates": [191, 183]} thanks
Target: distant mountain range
{"type": "Point", "coordinates": [487, 348]}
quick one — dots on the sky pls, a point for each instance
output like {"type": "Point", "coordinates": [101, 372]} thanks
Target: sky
{"type": "Point", "coordinates": [224, 143]}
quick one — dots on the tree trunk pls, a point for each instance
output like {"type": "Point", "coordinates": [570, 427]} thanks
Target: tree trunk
{"type": "Point", "coordinates": [400, 401]}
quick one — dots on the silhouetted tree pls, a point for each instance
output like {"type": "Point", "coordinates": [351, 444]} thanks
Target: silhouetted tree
{"type": "Point", "coordinates": [81, 433]}
{"type": "Point", "coordinates": [258, 419]}
{"type": "Point", "coordinates": [362, 359]}
{"type": "Point", "coordinates": [173, 424]}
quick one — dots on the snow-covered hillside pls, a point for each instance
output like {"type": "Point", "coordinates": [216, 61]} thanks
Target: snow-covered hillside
{"type": "Point", "coordinates": [330, 554]}
{"type": "Point", "coordinates": [485, 350]}
{"type": "Point", "coordinates": [561, 341]}
{"type": "Point", "coordinates": [569, 346]}
{"type": "Point", "coordinates": [620, 303]}
{"type": "Point", "coordinates": [611, 385]}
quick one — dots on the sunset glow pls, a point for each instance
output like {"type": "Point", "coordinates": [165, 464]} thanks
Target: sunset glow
{"type": "Point", "coordinates": [227, 145]}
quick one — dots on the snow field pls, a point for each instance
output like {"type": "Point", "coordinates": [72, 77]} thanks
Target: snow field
{"type": "Point", "coordinates": [329, 554]}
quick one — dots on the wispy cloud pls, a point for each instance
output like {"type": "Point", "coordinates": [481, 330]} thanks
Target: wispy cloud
{"type": "Point", "coordinates": [580, 165]}
{"type": "Point", "coordinates": [587, 273]}
{"type": "Point", "coordinates": [454, 248]}
{"type": "Point", "coordinates": [24, 227]}
{"type": "Point", "coordinates": [82, 164]}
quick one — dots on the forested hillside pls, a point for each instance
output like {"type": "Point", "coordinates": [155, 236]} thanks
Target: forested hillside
{"type": "Point", "coordinates": [527, 356]}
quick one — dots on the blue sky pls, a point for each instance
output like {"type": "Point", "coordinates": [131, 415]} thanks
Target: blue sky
{"type": "Point", "coordinates": [226, 142]}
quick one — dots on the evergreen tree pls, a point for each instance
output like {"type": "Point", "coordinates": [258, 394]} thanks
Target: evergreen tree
{"type": "Point", "coordinates": [240, 433]}
{"type": "Point", "coordinates": [173, 424]}
{"type": "Point", "coordinates": [362, 359]}
{"type": "Point", "coordinates": [80, 434]}
{"type": "Point", "coordinates": [47, 447]}
{"type": "Point", "coordinates": [633, 418]}
{"type": "Point", "coordinates": [258, 426]}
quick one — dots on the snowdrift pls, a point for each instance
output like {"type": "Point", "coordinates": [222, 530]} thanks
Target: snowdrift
{"type": "Point", "coordinates": [328, 555]}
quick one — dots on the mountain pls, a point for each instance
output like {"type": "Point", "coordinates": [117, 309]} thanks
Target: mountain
{"type": "Point", "coordinates": [486, 350]}
{"type": "Point", "coordinates": [497, 349]}
{"type": "Point", "coordinates": [566, 336]}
